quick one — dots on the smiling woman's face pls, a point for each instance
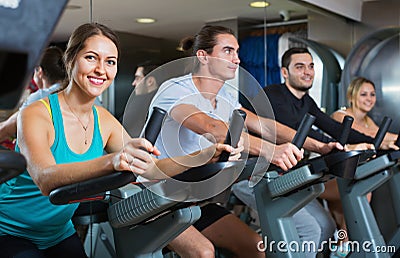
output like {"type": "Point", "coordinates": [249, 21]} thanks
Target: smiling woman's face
{"type": "Point", "coordinates": [96, 65]}
{"type": "Point", "coordinates": [366, 97]}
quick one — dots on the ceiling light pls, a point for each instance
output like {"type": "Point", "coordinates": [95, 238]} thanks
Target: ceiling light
{"type": "Point", "coordinates": [145, 20]}
{"type": "Point", "coordinates": [259, 4]}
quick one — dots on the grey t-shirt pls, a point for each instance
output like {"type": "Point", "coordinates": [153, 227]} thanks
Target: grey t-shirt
{"type": "Point", "coordinates": [175, 139]}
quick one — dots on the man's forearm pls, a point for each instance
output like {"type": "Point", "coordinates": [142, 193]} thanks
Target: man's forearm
{"type": "Point", "coordinates": [284, 133]}
{"type": "Point", "coordinates": [258, 147]}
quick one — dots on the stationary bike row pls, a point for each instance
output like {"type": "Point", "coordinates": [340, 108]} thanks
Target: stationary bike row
{"type": "Point", "coordinates": [362, 226]}
{"type": "Point", "coordinates": [392, 238]}
{"type": "Point", "coordinates": [145, 220]}
{"type": "Point", "coordinates": [386, 201]}
{"type": "Point", "coordinates": [279, 195]}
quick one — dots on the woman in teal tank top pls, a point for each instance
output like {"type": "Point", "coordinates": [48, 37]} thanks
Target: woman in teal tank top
{"type": "Point", "coordinates": [63, 138]}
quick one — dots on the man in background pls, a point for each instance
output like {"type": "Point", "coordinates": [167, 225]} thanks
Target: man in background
{"type": "Point", "coordinates": [48, 77]}
{"type": "Point", "coordinates": [144, 88]}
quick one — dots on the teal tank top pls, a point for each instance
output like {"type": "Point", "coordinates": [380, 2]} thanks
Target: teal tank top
{"type": "Point", "coordinates": [24, 211]}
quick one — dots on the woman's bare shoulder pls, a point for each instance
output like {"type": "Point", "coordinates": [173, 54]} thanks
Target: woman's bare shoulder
{"type": "Point", "coordinates": [38, 109]}
{"type": "Point", "coordinates": [107, 120]}
{"type": "Point", "coordinates": [104, 113]}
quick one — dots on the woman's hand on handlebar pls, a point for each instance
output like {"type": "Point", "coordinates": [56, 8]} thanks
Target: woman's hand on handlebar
{"type": "Point", "coordinates": [135, 156]}
{"type": "Point", "coordinates": [388, 144]}
{"type": "Point", "coordinates": [359, 146]}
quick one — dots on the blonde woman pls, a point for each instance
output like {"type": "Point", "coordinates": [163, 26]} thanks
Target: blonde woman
{"type": "Point", "coordinates": [361, 98]}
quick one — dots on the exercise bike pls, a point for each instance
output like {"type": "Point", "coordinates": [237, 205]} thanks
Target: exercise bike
{"type": "Point", "coordinates": [145, 220]}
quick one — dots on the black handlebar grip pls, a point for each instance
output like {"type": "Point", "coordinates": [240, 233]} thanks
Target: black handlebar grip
{"type": "Point", "coordinates": [346, 128]}
{"type": "Point", "coordinates": [302, 131]}
{"type": "Point", "coordinates": [234, 132]}
{"type": "Point", "coordinates": [383, 128]}
{"type": "Point", "coordinates": [86, 190]}
{"type": "Point", "coordinates": [154, 124]}
{"type": "Point", "coordinates": [12, 164]}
